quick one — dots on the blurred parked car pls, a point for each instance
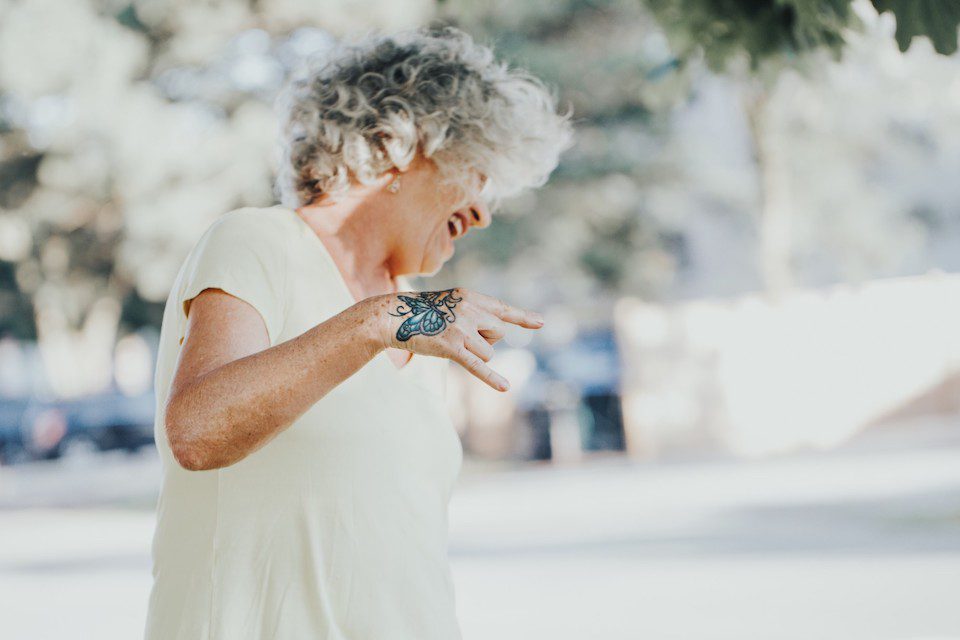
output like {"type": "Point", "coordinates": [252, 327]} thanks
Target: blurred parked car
{"type": "Point", "coordinates": [111, 421]}
{"type": "Point", "coordinates": [588, 371]}
{"type": "Point", "coordinates": [32, 429]}
{"type": "Point", "coordinates": [12, 411]}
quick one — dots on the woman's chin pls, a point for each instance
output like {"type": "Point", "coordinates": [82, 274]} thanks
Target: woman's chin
{"type": "Point", "coordinates": [432, 264]}
{"type": "Point", "coordinates": [433, 267]}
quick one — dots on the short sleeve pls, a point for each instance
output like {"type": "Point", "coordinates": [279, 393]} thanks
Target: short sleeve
{"type": "Point", "coordinates": [241, 254]}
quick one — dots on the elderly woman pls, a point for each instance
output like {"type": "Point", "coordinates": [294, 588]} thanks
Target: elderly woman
{"type": "Point", "coordinates": [308, 456]}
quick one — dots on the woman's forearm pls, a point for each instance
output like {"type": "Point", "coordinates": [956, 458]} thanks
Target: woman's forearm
{"type": "Point", "coordinates": [235, 409]}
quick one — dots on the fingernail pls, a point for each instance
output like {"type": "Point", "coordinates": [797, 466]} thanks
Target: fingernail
{"type": "Point", "coordinates": [503, 384]}
{"type": "Point", "coordinates": [536, 317]}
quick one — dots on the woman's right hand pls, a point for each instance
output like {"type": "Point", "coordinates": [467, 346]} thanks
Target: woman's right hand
{"type": "Point", "coordinates": [457, 324]}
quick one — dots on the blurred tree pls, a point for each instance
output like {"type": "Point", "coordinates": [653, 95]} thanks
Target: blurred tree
{"type": "Point", "coordinates": [755, 42]}
{"type": "Point", "coordinates": [126, 127]}
{"type": "Point", "coordinates": [936, 19]}
{"type": "Point", "coordinates": [764, 29]}
{"type": "Point", "coordinates": [586, 237]}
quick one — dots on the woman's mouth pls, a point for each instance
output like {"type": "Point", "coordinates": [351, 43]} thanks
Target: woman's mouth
{"type": "Point", "coordinates": [457, 225]}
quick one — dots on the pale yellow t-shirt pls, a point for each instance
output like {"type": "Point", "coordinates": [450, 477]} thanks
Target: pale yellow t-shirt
{"type": "Point", "coordinates": [337, 528]}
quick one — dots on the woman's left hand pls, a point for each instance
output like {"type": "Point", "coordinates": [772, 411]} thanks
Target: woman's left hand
{"type": "Point", "coordinates": [457, 324]}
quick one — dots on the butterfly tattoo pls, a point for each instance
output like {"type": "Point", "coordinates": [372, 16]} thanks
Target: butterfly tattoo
{"type": "Point", "coordinates": [426, 314]}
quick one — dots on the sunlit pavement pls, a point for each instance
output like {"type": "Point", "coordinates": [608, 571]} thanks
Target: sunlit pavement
{"type": "Point", "coordinates": [862, 543]}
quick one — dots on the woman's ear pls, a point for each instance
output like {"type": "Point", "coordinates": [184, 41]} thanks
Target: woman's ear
{"type": "Point", "coordinates": [393, 186]}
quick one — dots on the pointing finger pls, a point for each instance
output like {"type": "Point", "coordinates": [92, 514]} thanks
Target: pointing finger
{"type": "Point", "coordinates": [514, 315]}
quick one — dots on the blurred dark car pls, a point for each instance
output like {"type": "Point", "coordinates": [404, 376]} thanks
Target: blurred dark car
{"type": "Point", "coordinates": [110, 421]}
{"type": "Point", "coordinates": [12, 412]}
{"type": "Point", "coordinates": [32, 429]}
{"type": "Point", "coordinates": [587, 368]}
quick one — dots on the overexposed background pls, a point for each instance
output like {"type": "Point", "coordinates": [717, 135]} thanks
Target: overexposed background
{"type": "Point", "coordinates": [742, 417]}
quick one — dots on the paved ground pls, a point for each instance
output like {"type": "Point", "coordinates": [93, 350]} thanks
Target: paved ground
{"type": "Point", "coordinates": [862, 543]}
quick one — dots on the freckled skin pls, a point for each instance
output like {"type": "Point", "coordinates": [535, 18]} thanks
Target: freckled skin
{"type": "Point", "coordinates": [232, 392]}
{"type": "Point", "coordinates": [226, 348]}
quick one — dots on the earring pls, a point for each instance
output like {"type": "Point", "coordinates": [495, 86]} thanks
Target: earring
{"type": "Point", "coordinates": [395, 185]}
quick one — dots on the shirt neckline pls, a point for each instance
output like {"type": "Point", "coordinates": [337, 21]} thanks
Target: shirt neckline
{"type": "Point", "coordinates": [342, 283]}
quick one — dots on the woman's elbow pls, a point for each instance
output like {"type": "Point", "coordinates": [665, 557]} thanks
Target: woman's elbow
{"type": "Point", "coordinates": [190, 459]}
{"type": "Point", "coordinates": [190, 453]}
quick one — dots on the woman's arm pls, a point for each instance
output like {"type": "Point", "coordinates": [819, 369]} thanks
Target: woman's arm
{"type": "Point", "coordinates": [232, 392]}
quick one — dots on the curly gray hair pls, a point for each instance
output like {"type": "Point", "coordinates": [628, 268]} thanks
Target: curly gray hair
{"type": "Point", "coordinates": [377, 99]}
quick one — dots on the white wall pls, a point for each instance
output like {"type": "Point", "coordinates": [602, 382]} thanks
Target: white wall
{"type": "Point", "coordinates": [756, 377]}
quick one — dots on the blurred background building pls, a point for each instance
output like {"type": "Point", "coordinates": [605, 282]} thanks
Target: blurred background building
{"type": "Point", "coordinates": [750, 255]}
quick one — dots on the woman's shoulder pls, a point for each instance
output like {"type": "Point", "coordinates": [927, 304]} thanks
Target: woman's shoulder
{"type": "Point", "coordinates": [242, 252]}
{"type": "Point", "coordinates": [242, 240]}
{"type": "Point", "coordinates": [265, 232]}
{"type": "Point", "coordinates": [262, 223]}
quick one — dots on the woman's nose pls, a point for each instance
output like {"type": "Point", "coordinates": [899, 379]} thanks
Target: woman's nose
{"type": "Point", "coordinates": [479, 215]}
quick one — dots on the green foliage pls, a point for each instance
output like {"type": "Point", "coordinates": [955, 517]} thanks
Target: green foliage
{"type": "Point", "coordinates": [16, 307]}
{"type": "Point", "coordinates": [782, 30]}
{"type": "Point", "coordinates": [762, 29]}
{"type": "Point", "coordinates": [137, 313]}
{"type": "Point", "coordinates": [937, 19]}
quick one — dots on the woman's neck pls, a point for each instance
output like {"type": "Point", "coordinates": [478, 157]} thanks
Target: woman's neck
{"type": "Point", "coordinates": [359, 251]}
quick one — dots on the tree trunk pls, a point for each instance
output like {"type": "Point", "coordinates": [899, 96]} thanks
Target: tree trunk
{"type": "Point", "coordinates": [774, 225]}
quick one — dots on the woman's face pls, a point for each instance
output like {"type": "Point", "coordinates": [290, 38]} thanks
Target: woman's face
{"type": "Point", "coordinates": [429, 222]}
